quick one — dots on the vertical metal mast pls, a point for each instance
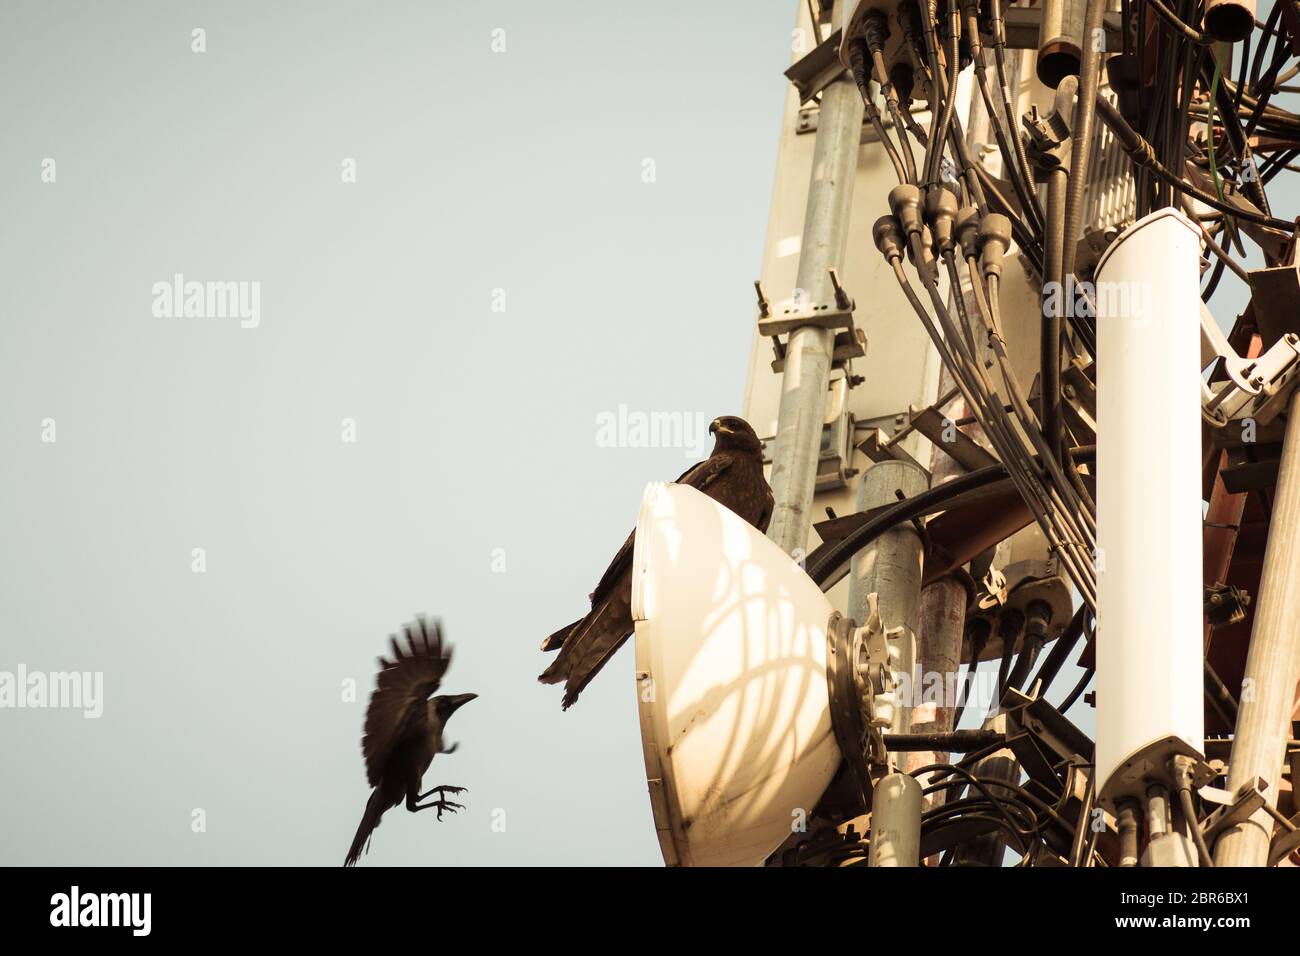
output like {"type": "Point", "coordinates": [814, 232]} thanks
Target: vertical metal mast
{"type": "Point", "coordinates": [1268, 689]}
{"type": "Point", "coordinates": [808, 355]}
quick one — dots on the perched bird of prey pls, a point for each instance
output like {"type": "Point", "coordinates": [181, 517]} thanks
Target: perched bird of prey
{"type": "Point", "coordinates": [404, 729]}
{"type": "Point", "coordinates": [731, 476]}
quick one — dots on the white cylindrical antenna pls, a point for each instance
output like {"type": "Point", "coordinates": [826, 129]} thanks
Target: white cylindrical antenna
{"type": "Point", "coordinates": [1149, 602]}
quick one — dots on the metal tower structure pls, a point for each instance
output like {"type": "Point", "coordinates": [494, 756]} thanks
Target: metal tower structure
{"type": "Point", "coordinates": [1007, 427]}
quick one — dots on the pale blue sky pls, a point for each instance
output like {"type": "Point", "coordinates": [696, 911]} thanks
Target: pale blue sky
{"type": "Point", "coordinates": [476, 430]}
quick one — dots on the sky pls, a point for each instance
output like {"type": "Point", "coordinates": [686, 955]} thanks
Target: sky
{"type": "Point", "coordinates": [472, 230]}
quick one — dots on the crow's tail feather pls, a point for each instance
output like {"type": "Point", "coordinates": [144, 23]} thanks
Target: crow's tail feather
{"type": "Point", "coordinates": [369, 820]}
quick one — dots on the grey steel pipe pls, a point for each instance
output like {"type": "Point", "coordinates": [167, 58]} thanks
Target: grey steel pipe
{"type": "Point", "coordinates": [1272, 663]}
{"type": "Point", "coordinates": [896, 822]}
{"type": "Point", "coordinates": [808, 353]}
{"type": "Point", "coordinates": [941, 612]}
{"type": "Point", "coordinates": [890, 567]}
{"type": "Point", "coordinates": [1060, 40]}
{"type": "Point", "coordinates": [988, 848]}
{"type": "Point", "coordinates": [942, 616]}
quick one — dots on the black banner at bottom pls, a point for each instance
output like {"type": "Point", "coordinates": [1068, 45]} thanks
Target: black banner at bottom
{"type": "Point", "coordinates": [960, 906]}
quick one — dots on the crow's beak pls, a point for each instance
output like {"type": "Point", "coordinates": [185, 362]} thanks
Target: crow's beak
{"type": "Point", "coordinates": [459, 701]}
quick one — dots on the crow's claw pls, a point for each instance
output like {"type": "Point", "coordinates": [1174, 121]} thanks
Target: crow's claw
{"type": "Point", "coordinates": [442, 804]}
{"type": "Point", "coordinates": [448, 806]}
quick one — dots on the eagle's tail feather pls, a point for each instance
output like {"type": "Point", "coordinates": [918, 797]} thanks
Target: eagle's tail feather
{"type": "Point", "coordinates": [590, 643]}
{"type": "Point", "coordinates": [579, 677]}
{"type": "Point", "coordinates": [558, 670]}
{"type": "Point", "coordinates": [556, 640]}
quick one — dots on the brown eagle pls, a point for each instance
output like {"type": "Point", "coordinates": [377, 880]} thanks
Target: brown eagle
{"type": "Point", "coordinates": [732, 476]}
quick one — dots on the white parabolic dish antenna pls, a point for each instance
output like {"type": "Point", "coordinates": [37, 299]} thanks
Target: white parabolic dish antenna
{"type": "Point", "coordinates": [731, 681]}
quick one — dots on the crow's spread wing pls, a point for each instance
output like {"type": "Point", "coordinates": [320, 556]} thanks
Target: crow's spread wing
{"type": "Point", "coordinates": [398, 707]}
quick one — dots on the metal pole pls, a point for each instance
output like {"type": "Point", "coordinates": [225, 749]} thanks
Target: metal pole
{"type": "Point", "coordinates": [1269, 685]}
{"type": "Point", "coordinates": [989, 848]}
{"type": "Point", "coordinates": [942, 615]}
{"type": "Point", "coordinates": [890, 567]}
{"type": "Point", "coordinates": [808, 353]}
{"type": "Point", "coordinates": [942, 611]}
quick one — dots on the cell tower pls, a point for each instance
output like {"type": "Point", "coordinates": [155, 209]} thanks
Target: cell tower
{"type": "Point", "coordinates": [1012, 434]}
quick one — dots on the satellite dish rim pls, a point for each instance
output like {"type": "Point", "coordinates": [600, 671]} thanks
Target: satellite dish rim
{"type": "Point", "coordinates": [670, 534]}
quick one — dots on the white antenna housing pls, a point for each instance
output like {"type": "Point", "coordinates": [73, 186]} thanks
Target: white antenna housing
{"type": "Point", "coordinates": [731, 682]}
{"type": "Point", "coordinates": [1149, 595]}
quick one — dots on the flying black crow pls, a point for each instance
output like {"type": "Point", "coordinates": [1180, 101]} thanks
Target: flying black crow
{"type": "Point", "coordinates": [404, 729]}
{"type": "Point", "coordinates": [731, 476]}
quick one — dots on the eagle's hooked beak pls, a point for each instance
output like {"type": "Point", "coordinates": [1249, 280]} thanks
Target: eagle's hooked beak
{"type": "Point", "coordinates": [716, 426]}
